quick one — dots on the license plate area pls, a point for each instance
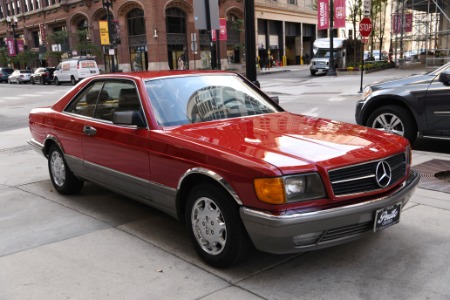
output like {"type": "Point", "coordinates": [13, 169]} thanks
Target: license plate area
{"type": "Point", "coordinates": [387, 216]}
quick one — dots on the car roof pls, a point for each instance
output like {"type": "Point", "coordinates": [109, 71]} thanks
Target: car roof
{"type": "Point", "coordinates": [144, 75]}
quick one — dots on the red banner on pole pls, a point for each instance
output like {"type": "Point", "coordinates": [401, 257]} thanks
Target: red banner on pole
{"type": "Point", "coordinates": [20, 45]}
{"type": "Point", "coordinates": [11, 46]}
{"type": "Point", "coordinates": [222, 31]}
{"type": "Point", "coordinates": [322, 14]}
{"type": "Point", "coordinates": [339, 13]}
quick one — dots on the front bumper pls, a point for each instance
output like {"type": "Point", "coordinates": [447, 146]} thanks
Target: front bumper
{"type": "Point", "coordinates": [315, 230]}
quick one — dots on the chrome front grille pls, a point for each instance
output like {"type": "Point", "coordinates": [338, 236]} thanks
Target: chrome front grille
{"type": "Point", "coordinates": [362, 178]}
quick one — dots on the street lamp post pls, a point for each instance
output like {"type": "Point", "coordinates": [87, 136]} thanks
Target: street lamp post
{"type": "Point", "coordinates": [332, 68]}
{"type": "Point", "coordinates": [106, 5]}
{"type": "Point", "coordinates": [12, 23]}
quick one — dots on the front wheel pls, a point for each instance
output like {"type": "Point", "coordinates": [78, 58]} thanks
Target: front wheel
{"type": "Point", "coordinates": [394, 119]}
{"type": "Point", "coordinates": [215, 228]}
{"type": "Point", "coordinates": [73, 81]}
{"type": "Point", "coordinates": [57, 82]}
{"type": "Point", "coordinates": [64, 181]}
{"type": "Point", "coordinates": [313, 73]}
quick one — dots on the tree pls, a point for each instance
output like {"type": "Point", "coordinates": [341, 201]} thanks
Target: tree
{"type": "Point", "coordinates": [84, 46]}
{"type": "Point", "coordinates": [355, 16]}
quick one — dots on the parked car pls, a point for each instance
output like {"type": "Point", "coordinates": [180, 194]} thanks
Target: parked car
{"type": "Point", "coordinates": [4, 74]}
{"type": "Point", "coordinates": [417, 105]}
{"type": "Point", "coordinates": [20, 76]}
{"type": "Point", "coordinates": [212, 150]}
{"type": "Point", "coordinates": [42, 75]}
{"type": "Point", "coordinates": [74, 70]}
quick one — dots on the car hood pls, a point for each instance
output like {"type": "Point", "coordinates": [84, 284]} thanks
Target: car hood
{"type": "Point", "coordinates": [404, 82]}
{"type": "Point", "coordinates": [294, 142]}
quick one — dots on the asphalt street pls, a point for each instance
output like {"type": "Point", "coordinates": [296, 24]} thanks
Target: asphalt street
{"type": "Point", "coordinates": [99, 245]}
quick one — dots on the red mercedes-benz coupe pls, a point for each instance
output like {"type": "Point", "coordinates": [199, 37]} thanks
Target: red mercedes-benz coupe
{"type": "Point", "coordinates": [212, 150]}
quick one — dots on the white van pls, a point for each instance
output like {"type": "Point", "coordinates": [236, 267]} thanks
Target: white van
{"type": "Point", "coordinates": [75, 70]}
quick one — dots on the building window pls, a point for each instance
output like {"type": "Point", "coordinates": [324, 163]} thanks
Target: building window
{"type": "Point", "coordinates": [137, 40]}
{"type": "Point", "coordinates": [175, 20]}
{"type": "Point", "coordinates": [176, 39]}
{"type": "Point", "coordinates": [136, 23]}
{"type": "Point", "coordinates": [35, 38]}
{"type": "Point", "coordinates": [292, 2]}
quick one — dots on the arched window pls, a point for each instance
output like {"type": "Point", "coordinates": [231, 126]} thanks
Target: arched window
{"type": "Point", "coordinates": [82, 28]}
{"type": "Point", "coordinates": [136, 23]}
{"type": "Point", "coordinates": [234, 43]}
{"type": "Point", "coordinates": [176, 38]}
{"type": "Point", "coordinates": [175, 20]}
{"type": "Point", "coordinates": [137, 40]}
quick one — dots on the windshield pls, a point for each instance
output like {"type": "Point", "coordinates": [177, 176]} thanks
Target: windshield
{"type": "Point", "coordinates": [322, 53]}
{"type": "Point", "coordinates": [194, 99]}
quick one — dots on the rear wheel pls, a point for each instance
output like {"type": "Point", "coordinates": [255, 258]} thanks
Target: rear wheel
{"type": "Point", "coordinates": [64, 181]}
{"type": "Point", "coordinates": [215, 227]}
{"type": "Point", "coordinates": [394, 119]}
{"type": "Point", "coordinates": [41, 80]}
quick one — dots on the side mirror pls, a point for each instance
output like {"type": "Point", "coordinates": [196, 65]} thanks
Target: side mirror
{"type": "Point", "coordinates": [444, 77]}
{"type": "Point", "coordinates": [129, 117]}
{"type": "Point", "coordinates": [275, 99]}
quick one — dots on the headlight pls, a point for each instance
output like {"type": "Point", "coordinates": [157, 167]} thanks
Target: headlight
{"type": "Point", "coordinates": [367, 92]}
{"type": "Point", "coordinates": [289, 189]}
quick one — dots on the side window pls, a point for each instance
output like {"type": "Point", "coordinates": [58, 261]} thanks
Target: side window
{"type": "Point", "coordinates": [102, 98]}
{"type": "Point", "coordinates": [117, 96]}
{"type": "Point", "coordinates": [86, 102]}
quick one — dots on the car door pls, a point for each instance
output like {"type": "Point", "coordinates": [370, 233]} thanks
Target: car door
{"type": "Point", "coordinates": [114, 155]}
{"type": "Point", "coordinates": [438, 109]}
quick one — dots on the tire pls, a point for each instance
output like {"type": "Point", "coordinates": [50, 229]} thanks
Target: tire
{"type": "Point", "coordinates": [9, 81]}
{"type": "Point", "coordinates": [72, 80]}
{"type": "Point", "coordinates": [217, 233]}
{"type": "Point", "coordinates": [313, 73]}
{"type": "Point", "coordinates": [394, 119]}
{"type": "Point", "coordinates": [32, 81]}
{"type": "Point", "coordinates": [41, 81]}
{"type": "Point", "coordinates": [63, 180]}
{"type": "Point", "coordinates": [57, 82]}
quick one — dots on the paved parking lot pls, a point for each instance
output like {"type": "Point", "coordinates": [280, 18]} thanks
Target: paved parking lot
{"type": "Point", "coordinates": [99, 245]}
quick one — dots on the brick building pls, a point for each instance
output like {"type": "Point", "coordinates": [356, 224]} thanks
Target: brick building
{"type": "Point", "coordinates": [153, 34]}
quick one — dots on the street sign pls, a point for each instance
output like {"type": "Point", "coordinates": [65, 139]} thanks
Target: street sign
{"type": "Point", "coordinates": [365, 27]}
{"type": "Point", "coordinates": [366, 7]}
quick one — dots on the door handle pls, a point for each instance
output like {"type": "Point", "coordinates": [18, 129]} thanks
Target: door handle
{"type": "Point", "coordinates": [90, 131]}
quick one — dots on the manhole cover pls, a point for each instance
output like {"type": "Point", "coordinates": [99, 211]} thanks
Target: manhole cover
{"type": "Point", "coordinates": [434, 175]}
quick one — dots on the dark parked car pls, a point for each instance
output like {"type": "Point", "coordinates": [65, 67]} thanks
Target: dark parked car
{"type": "Point", "coordinates": [4, 74]}
{"type": "Point", "coordinates": [19, 76]}
{"type": "Point", "coordinates": [42, 76]}
{"type": "Point", "coordinates": [417, 105]}
{"type": "Point", "coordinates": [215, 152]}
